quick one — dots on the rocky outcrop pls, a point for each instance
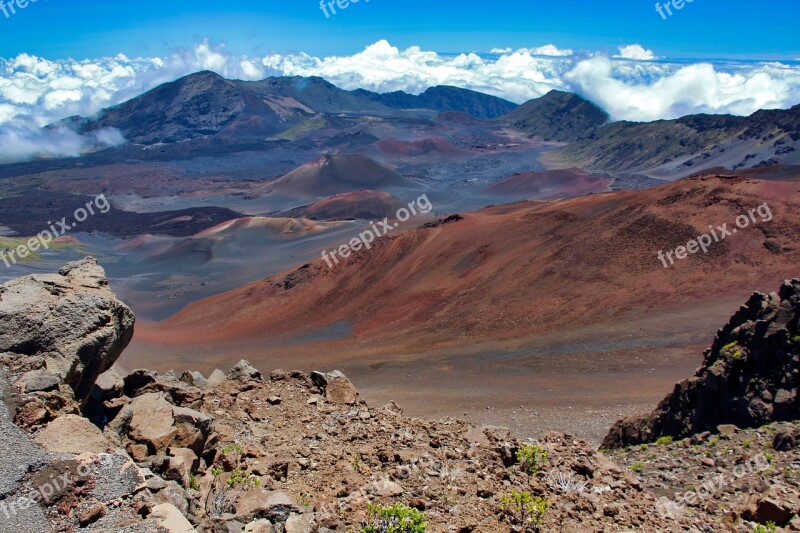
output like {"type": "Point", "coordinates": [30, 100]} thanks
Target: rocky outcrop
{"type": "Point", "coordinates": [301, 453]}
{"type": "Point", "coordinates": [749, 378]}
{"type": "Point", "coordinates": [63, 328]}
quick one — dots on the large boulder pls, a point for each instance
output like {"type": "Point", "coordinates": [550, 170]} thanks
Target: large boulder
{"type": "Point", "coordinates": [70, 320]}
{"type": "Point", "coordinates": [151, 420]}
{"type": "Point", "coordinates": [335, 387]}
{"type": "Point", "coordinates": [749, 377]}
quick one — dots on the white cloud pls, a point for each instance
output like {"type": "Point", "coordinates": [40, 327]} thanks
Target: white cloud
{"type": "Point", "coordinates": [24, 143]}
{"type": "Point", "coordinates": [632, 85]}
{"type": "Point", "coordinates": [636, 52]}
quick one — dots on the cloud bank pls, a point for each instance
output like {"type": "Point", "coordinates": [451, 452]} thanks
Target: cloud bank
{"type": "Point", "coordinates": [631, 85]}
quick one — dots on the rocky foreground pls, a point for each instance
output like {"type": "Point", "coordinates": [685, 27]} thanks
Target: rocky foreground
{"type": "Point", "coordinates": [296, 452]}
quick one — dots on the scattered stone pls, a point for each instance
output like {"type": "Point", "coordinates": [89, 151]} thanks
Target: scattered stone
{"type": "Point", "coordinates": [92, 514]}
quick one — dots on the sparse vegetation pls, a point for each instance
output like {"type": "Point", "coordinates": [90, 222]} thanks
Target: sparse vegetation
{"type": "Point", "coordinates": [531, 457]}
{"type": "Point", "coordinates": [770, 527]}
{"type": "Point", "coordinates": [524, 510]}
{"type": "Point", "coordinates": [665, 441]}
{"type": "Point", "coordinates": [221, 498]}
{"type": "Point", "coordinates": [733, 350]}
{"type": "Point", "coordinates": [638, 467]}
{"type": "Point", "coordinates": [397, 518]}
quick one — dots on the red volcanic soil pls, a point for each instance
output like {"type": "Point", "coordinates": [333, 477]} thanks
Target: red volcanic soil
{"type": "Point", "coordinates": [513, 272]}
{"type": "Point", "coordinates": [352, 205]}
{"type": "Point", "coordinates": [334, 174]}
{"type": "Point", "coordinates": [432, 146]}
{"type": "Point", "coordinates": [550, 184]}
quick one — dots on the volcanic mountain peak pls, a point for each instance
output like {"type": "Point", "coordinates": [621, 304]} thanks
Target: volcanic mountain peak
{"type": "Point", "coordinates": [335, 174]}
{"type": "Point", "coordinates": [558, 116]}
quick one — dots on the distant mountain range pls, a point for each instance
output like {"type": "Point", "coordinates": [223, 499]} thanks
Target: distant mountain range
{"type": "Point", "coordinates": [206, 106]}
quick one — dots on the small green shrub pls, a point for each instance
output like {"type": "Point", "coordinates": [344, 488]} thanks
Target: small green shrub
{"type": "Point", "coordinates": [193, 483]}
{"type": "Point", "coordinates": [638, 467]}
{"type": "Point", "coordinates": [523, 509]}
{"type": "Point", "coordinates": [240, 478]}
{"type": "Point", "coordinates": [771, 527]}
{"type": "Point", "coordinates": [531, 458]}
{"type": "Point", "coordinates": [665, 441]}
{"type": "Point", "coordinates": [398, 518]}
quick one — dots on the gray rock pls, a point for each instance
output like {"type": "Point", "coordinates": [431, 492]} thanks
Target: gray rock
{"type": "Point", "coordinates": [335, 387]}
{"type": "Point", "coordinates": [243, 371]}
{"type": "Point", "coordinates": [71, 319]}
{"type": "Point", "coordinates": [216, 377]}
{"type": "Point", "coordinates": [196, 379]}
{"type": "Point", "coordinates": [38, 381]}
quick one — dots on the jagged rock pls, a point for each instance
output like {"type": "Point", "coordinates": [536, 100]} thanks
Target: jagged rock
{"type": "Point", "coordinates": [72, 434]}
{"type": "Point", "coordinates": [181, 393]}
{"type": "Point", "coordinates": [170, 518]}
{"type": "Point", "coordinates": [182, 463]}
{"type": "Point", "coordinates": [753, 357]}
{"type": "Point", "coordinates": [217, 377]}
{"type": "Point", "coordinates": [150, 419]}
{"type": "Point", "coordinates": [196, 379]}
{"type": "Point", "coordinates": [71, 319]}
{"type": "Point", "coordinates": [243, 372]}
{"type": "Point", "coordinates": [335, 387]}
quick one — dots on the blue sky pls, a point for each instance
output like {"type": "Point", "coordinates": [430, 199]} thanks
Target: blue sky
{"type": "Point", "coordinates": [55, 29]}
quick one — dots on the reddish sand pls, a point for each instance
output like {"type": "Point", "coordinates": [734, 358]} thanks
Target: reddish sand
{"type": "Point", "coordinates": [516, 270]}
{"type": "Point", "coordinates": [487, 311]}
{"type": "Point", "coordinates": [550, 184]}
{"type": "Point", "coordinates": [358, 204]}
